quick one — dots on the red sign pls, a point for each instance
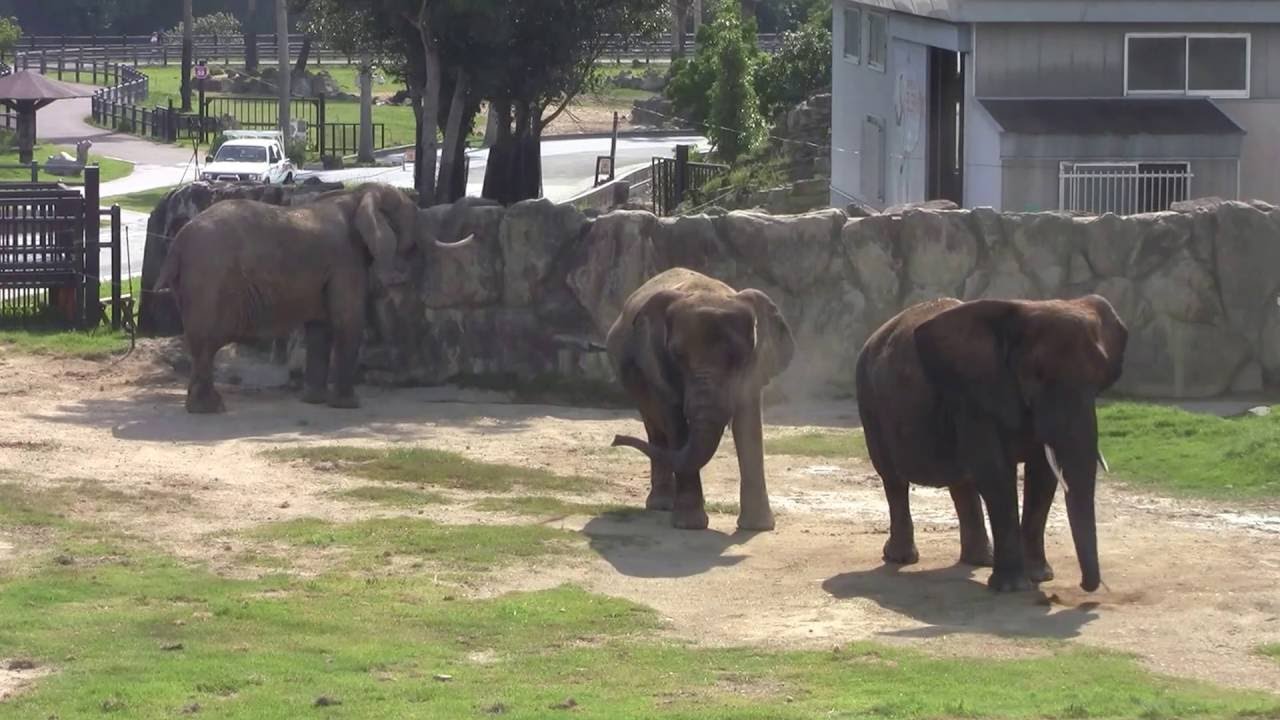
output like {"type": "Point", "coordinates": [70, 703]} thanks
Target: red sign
{"type": "Point", "coordinates": [202, 72]}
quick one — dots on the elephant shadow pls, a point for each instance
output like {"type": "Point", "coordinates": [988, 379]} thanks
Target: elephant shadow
{"type": "Point", "coordinates": [955, 600]}
{"type": "Point", "coordinates": [643, 544]}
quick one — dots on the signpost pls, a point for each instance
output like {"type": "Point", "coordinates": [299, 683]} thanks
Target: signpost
{"type": "Point", "coordinates": [202, 74]}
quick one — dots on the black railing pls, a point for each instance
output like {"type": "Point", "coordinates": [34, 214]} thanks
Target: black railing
{"type": "Point", "coordinates": [674, 177]}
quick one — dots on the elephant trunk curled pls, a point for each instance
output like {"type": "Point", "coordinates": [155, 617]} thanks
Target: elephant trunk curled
{"type": "Point", "coordinates": [706, 415]}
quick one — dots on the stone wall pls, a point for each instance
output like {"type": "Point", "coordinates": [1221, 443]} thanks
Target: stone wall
{"type": "Point", "coordinates": [1198, 288]}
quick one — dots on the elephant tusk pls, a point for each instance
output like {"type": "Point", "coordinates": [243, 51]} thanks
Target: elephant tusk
{"type": "Point", "coordinates": [461, 243]}
{"type": "Point", "coordinates": [1052, 457]}
{"type": "Point", "coordinates": [1102, 460]}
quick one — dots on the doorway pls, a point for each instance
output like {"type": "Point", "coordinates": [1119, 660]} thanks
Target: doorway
{"type": "Point", "coordinates": [946, 126]}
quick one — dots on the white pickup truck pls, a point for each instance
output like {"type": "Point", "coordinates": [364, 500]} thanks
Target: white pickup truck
{"type": "Point", "coordinates": [249, 156]}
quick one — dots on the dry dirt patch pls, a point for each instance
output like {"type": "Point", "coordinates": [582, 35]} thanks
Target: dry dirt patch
{"type": "Point", "coordinates": [1190, 590]}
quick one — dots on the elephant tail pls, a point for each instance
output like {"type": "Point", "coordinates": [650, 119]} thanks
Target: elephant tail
{"type": "Point", "coordinates": [170, 272]}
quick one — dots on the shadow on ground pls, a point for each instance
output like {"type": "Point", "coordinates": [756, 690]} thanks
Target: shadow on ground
{"type": "Point", "coordinates": [955, 600]}
{"type": "Point", "coordinates": [645, 545]}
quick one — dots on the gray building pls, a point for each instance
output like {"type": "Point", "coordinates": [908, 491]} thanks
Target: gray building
{"type": "Point", "coordinates": [1024, 105]}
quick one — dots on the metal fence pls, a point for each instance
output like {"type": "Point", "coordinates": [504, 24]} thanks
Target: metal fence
{"type": "Point", "coordinates": [673, 178]}
{"type": "Point", "coordinates": [1123, 188]}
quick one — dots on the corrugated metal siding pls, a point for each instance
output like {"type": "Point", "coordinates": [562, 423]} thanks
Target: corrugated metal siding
{"type": "Point", "coordinates": [1087, 60]}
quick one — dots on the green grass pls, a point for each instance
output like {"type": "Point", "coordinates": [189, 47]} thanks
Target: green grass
{"type": "Point", "coordinates": [394, 496]}
{"type": "Point", "coordinates": [454, 547]}
{"type": "Point", "coordinates": [547, 505]}
{"type": "Point", "coordinates": [819, 444]}
{"type": "Point", "coordinates": [93, 345]}
{"type": "Point", "coordinates": [131, 633]}
{"type": "Point", "coordinates": [1272, 651]}
{"type": "Point", "coordinates": [108, 169]}
{"type": "Point", "coordinates": [1194, 454]}
{"type": "Point", "coordinates": [423, 466]}
{"type": "Point", "coordinates": [142, 201]}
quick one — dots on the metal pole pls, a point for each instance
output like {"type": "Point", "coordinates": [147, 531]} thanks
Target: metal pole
{"type": "Point", "coordinates": [92, 239]}
{"type": "Point", "coordinates": [115, 267]}
{"type": "Point", "coordinates": [282, 57]}
{"type": "Point", "coordinates": [613, 148]}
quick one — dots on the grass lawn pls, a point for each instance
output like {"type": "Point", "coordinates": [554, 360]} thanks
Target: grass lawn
{"type": "Point", "coordinates": [94, 345]}
{"type": "Point", "coordinates": [819, 444]}
{"type": "Point", "coordinates": [1195, 454]}
{"type": "Point", "coordinates": [1271, 651]}
{"type": "Point", "coordinates": [382, 628]}
{"type": "Point", "coordinates": [109, 169]}
{"type": "Point", "coordinates": [143, 201]}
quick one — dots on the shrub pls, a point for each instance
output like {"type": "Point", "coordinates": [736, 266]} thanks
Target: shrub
{"type": "Point", "coordinates": [220, 23]}
{"type": "Point", "coordinates": [734, 124]}
{"type": "Point", "coordinates": [10, 33]}
{"type": "Point", "coordinates": [297, 152]}
{"type": "Point", "coordinates": [800, 69]}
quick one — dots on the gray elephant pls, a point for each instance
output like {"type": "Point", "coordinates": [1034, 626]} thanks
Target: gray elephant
{"type": "Point", "coordinates": [695, 354]}
{"type": "Point", "coordinates": [244, 270]}
{"type": "Point", "coordinates": [956, 395]}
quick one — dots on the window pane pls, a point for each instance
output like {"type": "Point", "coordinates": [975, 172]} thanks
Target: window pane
{"type": "Point", "coordinates": [852, 33]}
{"type": "Point", "coordinates": [877, 40]}
{"type": "Point", "coordinates": [1157, 63]}
{"type": "Point", "coordinates": [1217, 63]}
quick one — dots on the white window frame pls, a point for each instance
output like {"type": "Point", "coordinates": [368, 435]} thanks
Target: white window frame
{"type": "Point", "coordinates": [856, 57]}
{"type": "Point", "coordinates": [1186, 57]}
{"type": "Point", "coordinates": [866, 42]}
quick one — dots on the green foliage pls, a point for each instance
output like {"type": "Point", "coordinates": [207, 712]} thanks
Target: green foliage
{"type": "Point", "coordinates": [10, 34]}
{"type": "Point", "coordinates": [1192, 453]}
{"type": "Point", "coordinates": [734, 125]}
{"type": "Point", "coordinates": [297, 152]}
{"type": "Point", "coordinates": [221, 24]}
{"type": "Point", "coordinates": [141, 201]}
{"type": "Point", "coordinates": [800, 69]}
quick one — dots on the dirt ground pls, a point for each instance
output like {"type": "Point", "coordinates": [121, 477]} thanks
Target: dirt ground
{"type": "Point", "coordinates": [1191, 588]}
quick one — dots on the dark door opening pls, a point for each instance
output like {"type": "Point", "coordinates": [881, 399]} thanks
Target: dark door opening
{"type": "Point", "coordinates": [946, 126]}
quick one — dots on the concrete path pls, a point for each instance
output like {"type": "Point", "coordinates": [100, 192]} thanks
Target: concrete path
{"type": "Point", "coordinates": [63, 123]}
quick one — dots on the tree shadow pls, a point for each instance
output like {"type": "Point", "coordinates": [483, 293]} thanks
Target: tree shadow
{"type": "Point", "coordinates": [644, 545]}
{"type": "Point", "coordinates": [953, 601]}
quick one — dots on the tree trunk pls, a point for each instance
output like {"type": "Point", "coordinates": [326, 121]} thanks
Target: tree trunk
{"type": "Point", "coordinates": [454, 146]}
{"type": "Point", "coordinates": [496, 172]}
{"type": "Point", "coordinates": [426, 159]}
{"type": "Point", "coordinates": [365, 154]}
{"type": "Point", "coordinates": [303, 55]}
{"type": "Point", "coordinates": [282, 58]}
{"type": "Point", "coordinates": [251, 38]}
{"type": "Point", "coordinates": [514, 171]}
{"type": "Point", "coordinates": [187, 52]}
{"type": "Point", "coordinates": [679, 14]}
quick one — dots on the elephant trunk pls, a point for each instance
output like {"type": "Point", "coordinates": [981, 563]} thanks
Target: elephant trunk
{"type": "Point", "coordinates": [707, 411]}
{"type": "Point", "coordinates": [1074, 458]}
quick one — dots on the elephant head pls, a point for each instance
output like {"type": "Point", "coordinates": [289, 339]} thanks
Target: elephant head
{"type": "Point", "coordinates": [392, 227]}
{"type": "Point", "coordinates": [1035, 369]}
{"type": "Point", "coordinates": [702, 354]}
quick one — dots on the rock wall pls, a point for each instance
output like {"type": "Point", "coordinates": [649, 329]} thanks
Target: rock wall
{"type": "Point", "coordinates": [1198, 288]}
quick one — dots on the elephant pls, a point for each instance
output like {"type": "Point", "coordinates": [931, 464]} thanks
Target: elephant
{"type": "Point", "coordinates": [956, 394]}
{"type": "Point", "coordinates": [243, 270]}
{"type": "Point", "coordinates": [694, 354]}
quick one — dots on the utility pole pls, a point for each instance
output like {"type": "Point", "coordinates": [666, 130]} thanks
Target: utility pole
{"type": "Point", "coordinates": [188, 52]}
{"type": "Point", "coordinates": [282, 56]}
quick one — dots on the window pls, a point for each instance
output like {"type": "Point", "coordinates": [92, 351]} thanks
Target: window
{"type": "Point", "coordinates": [852, 34]}
{"type": "Point", "coordinates": [275, 156]}
{"type": "Point", "coordinates": [873, 159]}
{"type": "Point", "coordinates": [1187, 64]}
{"type": "Point", "coordinates": [1123, 188]}
{"type": "Point", "coordinates": [877, 41]}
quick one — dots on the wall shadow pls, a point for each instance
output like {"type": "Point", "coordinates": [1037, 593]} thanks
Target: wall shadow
{"type": "Point", "coordinates": [956, 600]}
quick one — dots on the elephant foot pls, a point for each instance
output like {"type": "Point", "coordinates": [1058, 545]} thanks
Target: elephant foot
{"type": "Point", "coordinates": [344, 401]}
{"type": "Point", "coordinates": [979, 557]}
{"type": "Point", "coordinates": [659, 501]}
{"type": "Point", "coordinates": [1004, 581]}
{"type": "Point", "coordinates": [756, 522]}
{"type": "Point", "coordinates": [900, 553]}
{"type": "Point", "coordinates": [1039, 572]}
{"type": "Point", "coordinates": [314, 396]}
{"type": "Point", "coordinates": [693, 518]}
{"type": "Point", "coordinates": [205, 403]}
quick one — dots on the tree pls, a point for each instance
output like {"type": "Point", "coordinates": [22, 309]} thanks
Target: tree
{"type": "Point", "coordinates": [10, 33]}
{"type": "Point", "coordinates": [734, 124]}
{"type": "Point", "coordinates": [222, 24]}
{"type": "Point", "coordinates": [187, 49]}
{"type": "Point", "coordinates": [800, 69]}
{"type": "Point", "coordinates": [692, 79]}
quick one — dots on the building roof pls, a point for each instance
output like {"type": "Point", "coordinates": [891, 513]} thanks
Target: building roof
{"type": "Point", "coordinates": [31, 85]}
{"type": "Point", "coordinates": [1088, 11]}
{"type": "Point", "coordinates": [1111, 116]}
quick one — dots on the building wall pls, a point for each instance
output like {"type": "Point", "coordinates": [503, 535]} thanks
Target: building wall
{"type": "Point", "coordinates": [1087, 59]}
{"type": "Point", "coordinates": [983, 174]}
{"type": "Point", "coordinates": [1260, 157]}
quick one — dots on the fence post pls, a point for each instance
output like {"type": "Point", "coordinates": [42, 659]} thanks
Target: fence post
{"type": "Point", "coordinates": [682, 172]}
{"type": "Point", "coordinates": [62, 51]}
{"type": "Point", "coordinates": [171, 123]}
{"type": "Point", "coordinates": [35, 171]}
{"type": "Point", "coordinates": [320, 120]}
{"type": "Point", "coordinates": [115, 267]}
{"type": "Point", "coordinates": [92, 240]}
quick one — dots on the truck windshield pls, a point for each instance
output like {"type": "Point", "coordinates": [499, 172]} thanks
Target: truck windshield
{"type": "Point", "coordinates": [241, 153]}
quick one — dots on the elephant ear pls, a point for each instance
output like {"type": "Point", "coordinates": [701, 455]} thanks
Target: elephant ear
{"type": "Point", "coordinates": [1114, 337]}
{"type": "Point", "coordinates": [968, 350]}
{"type": "Point", "coordinates": [373, 226]}
{"type": "Point", "coordinates": [650, 345]}
{"type": "Point", "coordinates": [775, 346]}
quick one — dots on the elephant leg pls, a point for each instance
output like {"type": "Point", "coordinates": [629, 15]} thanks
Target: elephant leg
{"type": "Point", "coordinates": [662, 481]}
{"type": "Point", "coordinates": [347, 355]}
{"type": "Point", "coordinates": [689, 512]}
{"type": "Point", "coordinates": [900, 548]}
{"type": "Point", "coordinates": [997, 480]}
{"type": "Point", "coordinates": [1037, 498]}
{"type": "Point", "coordinates": [975, 547]}
{"type": "Point", "coordinates": [316, 375]}
{"type": "Point", "coordinates": [202, 398]}
{"type": "Point", "coordinates": [754, 512]}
